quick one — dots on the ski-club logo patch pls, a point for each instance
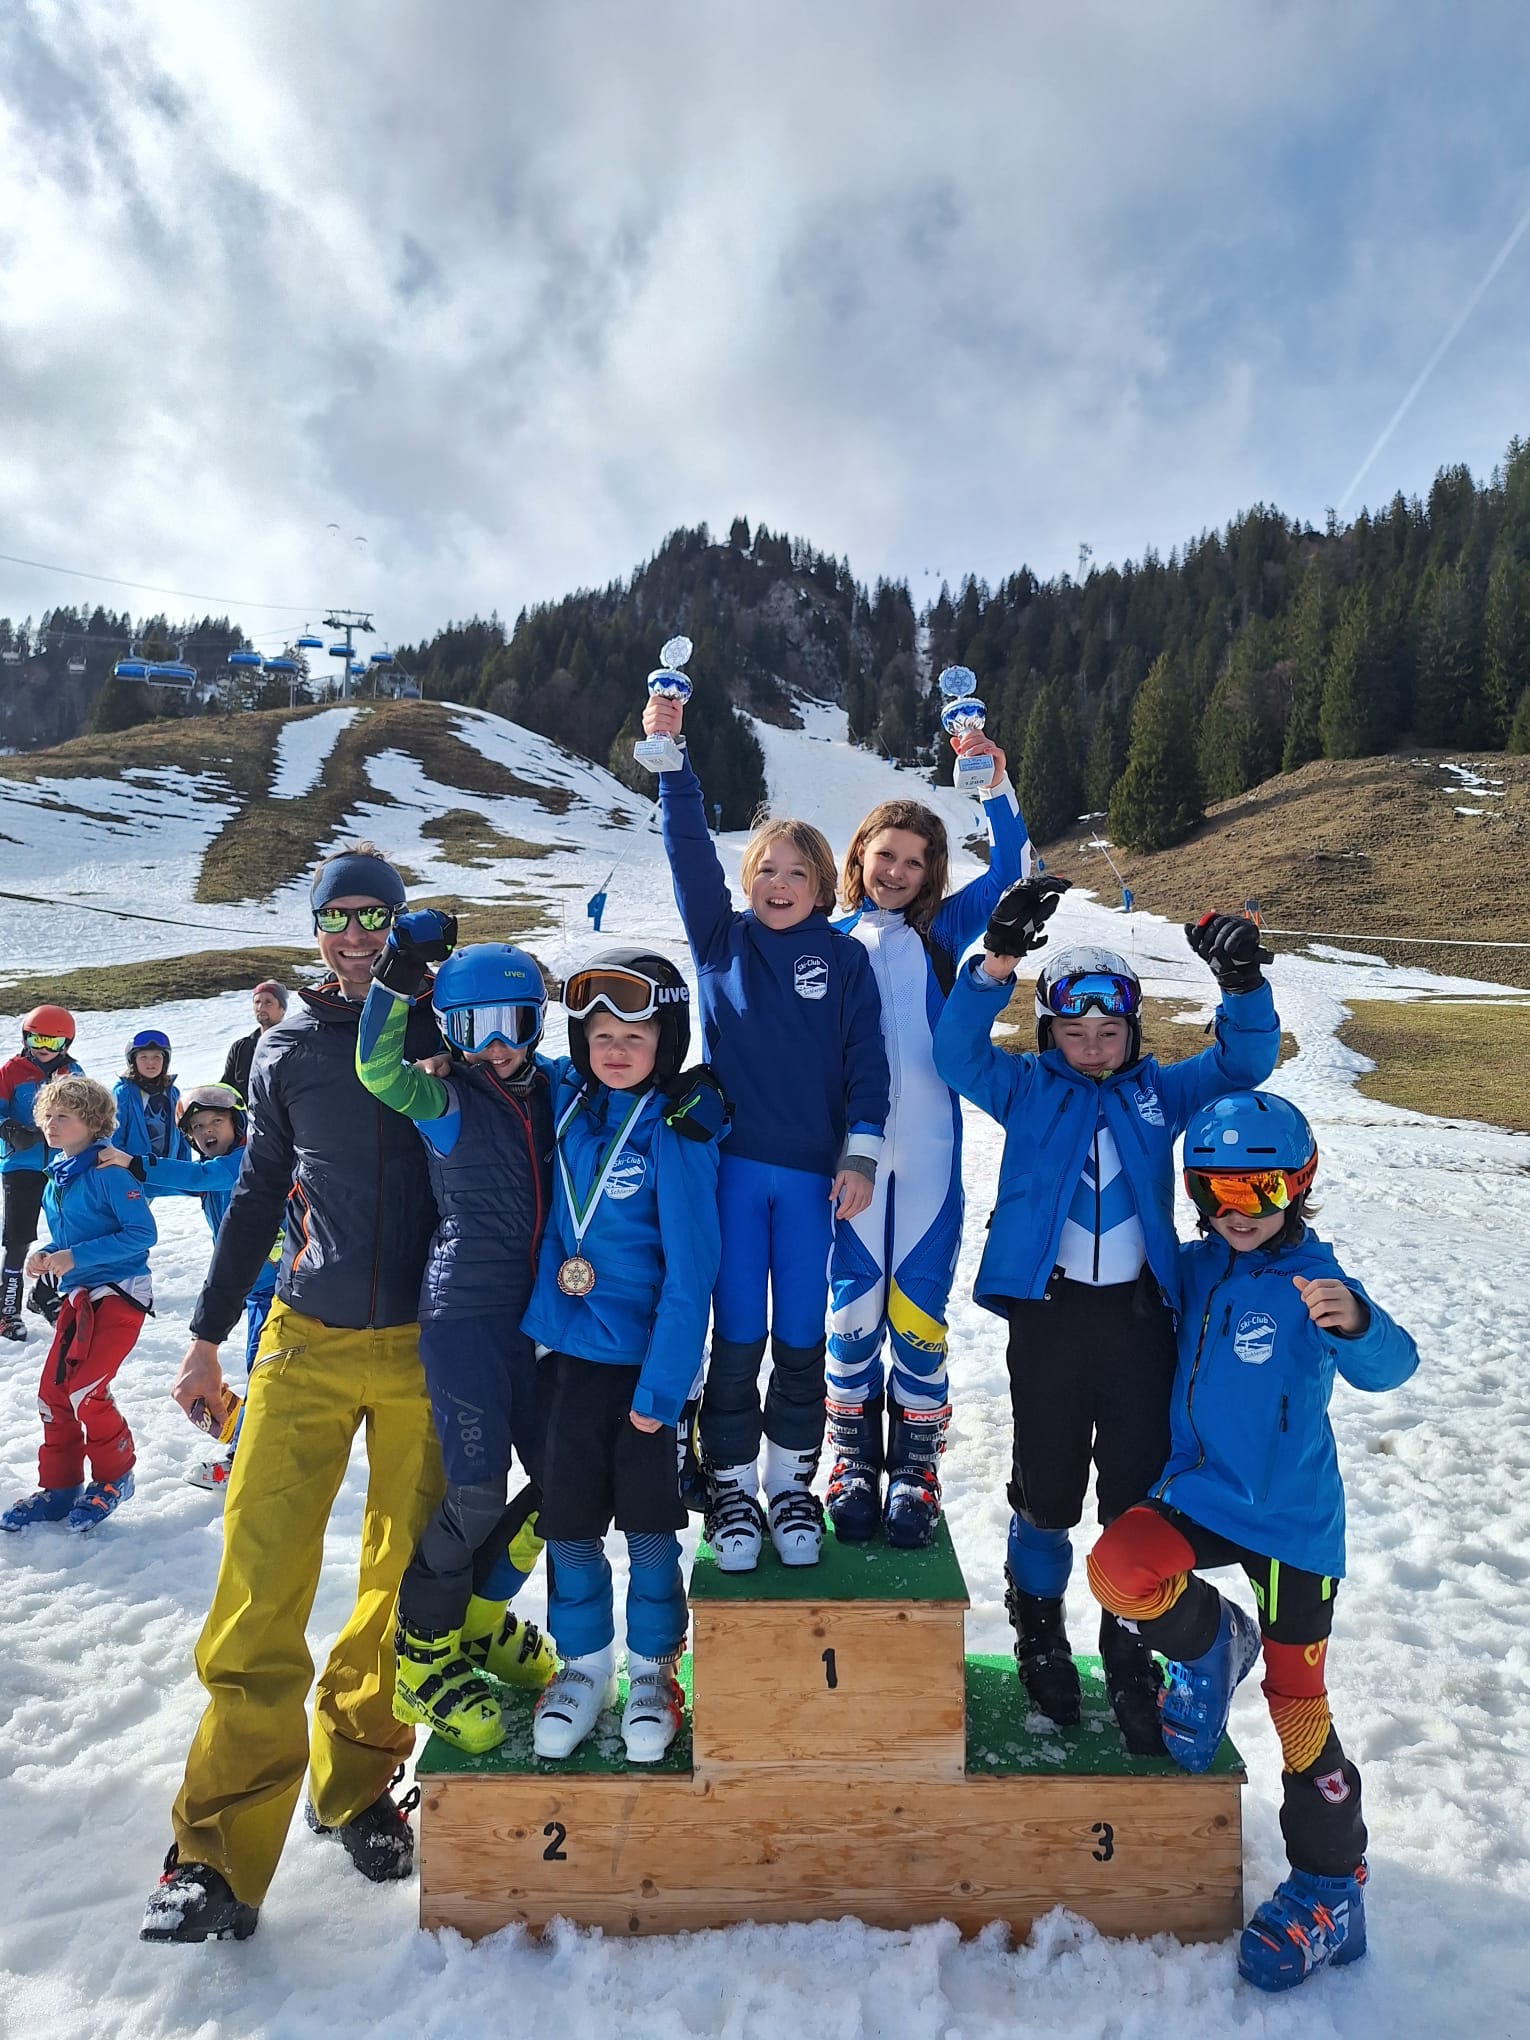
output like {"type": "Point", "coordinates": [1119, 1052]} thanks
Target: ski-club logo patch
{"type": "Point", "coordinates": [1334, 1787]}
{"type": "Point", "coordinates": [810, 977]}
{"type": "Point", "coordinates": [628, 1175]}
{"type": "Point", "coordinates": [1254, 1337]}
{"type": "Point", "coordinates": [1149, 1111]}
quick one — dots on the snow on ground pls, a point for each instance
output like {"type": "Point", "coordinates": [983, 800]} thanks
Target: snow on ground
{"type": "Point", "coordinates": [302, 749]}
{"type": "Point", "coordinates": [1430, 1666]}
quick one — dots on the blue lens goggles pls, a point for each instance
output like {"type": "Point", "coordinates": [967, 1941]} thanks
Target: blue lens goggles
{"type": "Point", "coordinates": [1094, 991]}
{"type": "Point", "coordinates": [472, 1028]}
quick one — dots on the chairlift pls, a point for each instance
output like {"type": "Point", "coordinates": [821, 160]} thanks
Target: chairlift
{"type": "Point", "coordinates": [76, 662]}
{"type": "Point", "coordinates": [244, 659]}
{"type": "Point", "coordinates": [283, 664]}
{"type": "Point", "coordinates": [172, 673]}
{"type": "Point", "coordinates": [380, 659]}
{"type": "Point", "coordinates": [341, 651]}
{"type": "Point", "coordinates": [309, 643]}
{"type": "Point", "coordinates": [131, 668]}
{"type": "Point", "coordinates": [10, 657]}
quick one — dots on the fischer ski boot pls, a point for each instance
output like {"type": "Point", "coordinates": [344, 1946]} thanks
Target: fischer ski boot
{"type": "Point", "coordinates": [1310, 1923]}
{"type": "Point", "coordinates": [854, 1501]}
{"type": "Point", "coordinates": [379, 1841]}
{"type": "Point", "coordinates": [436, 1687]}
{"type": "Point", "coordinates": [655, 1705]}
{"type": "Point", "coordinates": [193, 1902]}
{"type": "Point", "coordinates": [509, 1649]}
{"type": "Point", "coordinates": [1198, 1692]}
{"type": "Point", "coordinates": [735, 1523]}
{"type": "Point", "coordinates": [100, 1500]}
{"type": "Point", "coordinates": [915, 1441]}
{"type": "Point", "coordinates": [45, 1505]}
{"type": "Point", "coordinates": [796, 1514]}
{"type": "Point", "coordinates": [579, 1693]}
{"type": "Point", "coordinates": [1134, 1682]}
{"type": "Point", "coordinates": [1043, 1655]}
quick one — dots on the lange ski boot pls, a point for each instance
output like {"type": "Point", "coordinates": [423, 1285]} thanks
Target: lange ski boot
{"type": "Point", "coordinates": [1043, 1655]}
{"type": "Point", "coordinates": [44, 1505]}
{"type": "Point", "coordinates": [1197, 1694]}
{"type": "Point", "coordinates": [509, 1649]}
{"type": "Point", "coordinates": [438, 1688]}
{"type": "Point", "coordinates": [580, 1692]}
{"type": "Point", "coordinates": [193, 1902]}
{"type": "Point", "coordinates": [379, 1841]}
{"type": "Point", "coordinates": [1310, 1923]}
{"type": "Point", "coordinates": [655, 1705]}
{"type": "Point", "coordinates": [1135, 1685]}
{"type": "Point", "coordinates": [735, 1523]}
{"type": "Point", "coordinates": [915, 1441]}
{"type": "Point", "coordinates": [854, 1501]}
{"type": "Point", "coordinates": [796, 1514]}
{"type": "Point", "coordinates": [12, 1324]}
{"type": "Point", "coordinates": [100, 1500]}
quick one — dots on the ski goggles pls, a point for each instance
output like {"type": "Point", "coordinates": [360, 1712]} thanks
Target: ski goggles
{"type": "Point", "coordinates": [1247, 1193]}
{"type": "Point", "coordinates": [1097, 990]}
{"type": "Point", "coordinates": [470, 1028]}
{"type": "Point", "coordinates": [46, 1044]}
{"type": "Point", "coordinates": [627, 993]}
{"type": "Point", "coordinates": [332, 920]}
{"type": "Point", "coordinates": [208, 1098]}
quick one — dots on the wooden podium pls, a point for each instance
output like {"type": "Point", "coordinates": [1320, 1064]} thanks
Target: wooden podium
{"type": "Point", "coordinates": [841, 1755]}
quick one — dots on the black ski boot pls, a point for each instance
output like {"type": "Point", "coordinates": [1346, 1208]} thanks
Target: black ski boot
{"type": "Point", "coordinates": [1134, 1681]}
{"type": "Point", "coordinates": [12, 1324]}
{"type": "Point", "coordinates": [379, 1841]}
{"type": "Point", "coordinates": [193, 1902]}
{"type": "Point", "coordinates": [1043, 1654]}
{"type": "Point", "coordinates": [915, 1442]}
{"type": "Point", "coordinates": [855, 1479]}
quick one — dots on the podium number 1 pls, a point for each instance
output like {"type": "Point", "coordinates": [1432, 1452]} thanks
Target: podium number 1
{"type": "Point", "coordinates": [830, 1671]}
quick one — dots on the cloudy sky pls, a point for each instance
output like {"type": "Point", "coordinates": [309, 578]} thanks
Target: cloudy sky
{"type": "Point", "coordinates": [507, 289]}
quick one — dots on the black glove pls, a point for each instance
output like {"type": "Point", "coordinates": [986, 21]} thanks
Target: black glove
{"type": "Point", "coordinates": [47, 1299]}
{"type": "Point", "coordinates": [1230, 946]}
{"type": "Point", "coordinates": [1017, 924]}
{"type": "Point", "coordinates": [17, 1135]}
{"type": "Point", "coordinates": [415, 940]}
{"type": "Point", "coordinates": [698, 1110]}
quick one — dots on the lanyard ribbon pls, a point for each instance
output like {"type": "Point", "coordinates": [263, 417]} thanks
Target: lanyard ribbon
{"type": "Point", "coordinates": [583, 1217]}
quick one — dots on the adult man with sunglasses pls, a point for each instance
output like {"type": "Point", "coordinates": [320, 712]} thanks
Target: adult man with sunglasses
{"type": "Point", "coordinates": [341, 1348]}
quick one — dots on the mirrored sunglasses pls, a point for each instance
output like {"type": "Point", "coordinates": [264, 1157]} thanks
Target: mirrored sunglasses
{"type": "Point", "coordinates": [626, 993]}
{"type": "Point", "coordinates": [470, 1028]}
{"type": "Point", "coordinates": [331, 920]}
{"type": "Point", "coordinates": [1094, 990]}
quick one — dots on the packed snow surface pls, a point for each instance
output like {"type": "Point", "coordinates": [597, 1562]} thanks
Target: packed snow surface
{"type": "Point", "coordinates": [1429, 1669]}
{"type": "Point", "coordinates": [303, 748]}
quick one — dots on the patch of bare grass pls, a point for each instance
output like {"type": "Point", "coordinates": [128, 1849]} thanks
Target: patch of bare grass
{"type": "Point", "coordinates": [1464, 1059]}
{"type": "Point", "coordinates": [468, 839]}
{"type": "Point", "coordinates": [125, 987]}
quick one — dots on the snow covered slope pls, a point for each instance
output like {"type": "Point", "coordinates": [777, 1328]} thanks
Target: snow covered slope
{"type": "Point", "coordinates": [1430, 1667]}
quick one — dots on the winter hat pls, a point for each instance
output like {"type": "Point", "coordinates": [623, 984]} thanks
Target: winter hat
{"type": "Point", "coordinates": [278, 992]}
{"type": "Point", "coordinates": [356, 874]}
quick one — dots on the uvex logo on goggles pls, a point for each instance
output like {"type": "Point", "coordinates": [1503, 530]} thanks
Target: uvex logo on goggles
{"type": "Point", "coordinates": [1249, 1193]}
{"type": "Point", "coordinates": [1093, 990]}
{"type": "Point", "coordinates": [627, 993]}
{"type": "Point", "coordinates": [331, 920]}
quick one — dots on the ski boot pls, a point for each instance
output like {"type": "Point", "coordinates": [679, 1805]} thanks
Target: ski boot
{"type": "Point", "coordinates": [437, 1688]}
{"type": "Point", "coordinates": [734, 1525]}
{"type": "Point", "coordinates": [210, 1473]}
{"type": "Point", "coordinates": [12, 1324]}
{"type": "Point", "coordinates": [1043, 1655]}
{"type": "Point", "coordinates": [855, 1479]}
{"type": "Point", "coordinates": [1197, 1694]}
{"type": "Point", "coordinates": [796, 1514]}
{"type": "Point", "coordinates": [500, 1643]}
{"type": "Point", "coordinates": [1311, 1923]}
{"type": "Point", "coordinates": [915, 1441]}
{"type": "Point", "coordinates": [100, 1500]}
{"type": "Point", "coordinates": [579, 1693]}
{"type": "Point", "coordinates": [1135, 1685]}
{"type": "Point", "coordinates": [194, 1903]}
{"type": "Point", "coordinates": [46, 1299]}
{"type": "Point", "coordinates": [655, 1705]}
{"type": "Point", "coordinates": [45, 1505]}
{"type": "Point", "coordinates": [379, 1841]}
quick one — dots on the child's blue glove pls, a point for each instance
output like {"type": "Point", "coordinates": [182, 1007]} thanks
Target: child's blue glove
{"type": "Point", "coordinates": [415, 941]}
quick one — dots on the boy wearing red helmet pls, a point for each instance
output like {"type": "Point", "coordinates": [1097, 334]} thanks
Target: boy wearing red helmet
{"type": "Point", "coordinates": [47, 1035]}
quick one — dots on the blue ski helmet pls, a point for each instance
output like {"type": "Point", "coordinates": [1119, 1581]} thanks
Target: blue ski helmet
{"type": "Point", "coordinates": [488, 992]}
{"type": "Point", "coordinates": [1248, 1132]}
{"type": "Point", "coordinates": [149, 1037]}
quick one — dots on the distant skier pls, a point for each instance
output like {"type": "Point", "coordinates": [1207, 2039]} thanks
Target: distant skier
{"type": "Point", "coordinates": [1081, 1249]}
{"type": "Point", "coordinates": [99, 1235]}
{"type": "Point", "coordinates": [47, 1035]}
{"type": "Point", "coordinates": [1266, 1318]}
{"type": "Point", "coordinates": [146, 1097]}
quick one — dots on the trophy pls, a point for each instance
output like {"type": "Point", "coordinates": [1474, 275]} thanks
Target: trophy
{"type": "Point", "coordinates": [666, 683]}
{"type": "Point", "coordinates": [962, 715]}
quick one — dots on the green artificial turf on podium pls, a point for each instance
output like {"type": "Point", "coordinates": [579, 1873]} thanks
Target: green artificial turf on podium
{"type": "Point", "coordinates": [844, 1572]}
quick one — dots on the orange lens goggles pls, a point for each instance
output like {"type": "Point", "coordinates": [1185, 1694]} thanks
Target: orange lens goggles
{"type": "Point", "coordinates": [1255, 1193]}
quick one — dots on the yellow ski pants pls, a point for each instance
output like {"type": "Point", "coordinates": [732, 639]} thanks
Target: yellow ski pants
{"type": "Point", "coordinates": [311, 1387]}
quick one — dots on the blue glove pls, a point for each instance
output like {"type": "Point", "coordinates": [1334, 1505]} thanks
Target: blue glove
{"type": "Point", "coordinates": [415, 941]}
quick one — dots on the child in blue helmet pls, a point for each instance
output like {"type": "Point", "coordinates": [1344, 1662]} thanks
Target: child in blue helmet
{"type": "Point", "coordinates": [1081, 1249]}
{"type": "Point", "coordinates": [619, 1315]}
{"type": "Point", "coordinates": [487, 1130]}
{"type": "Point", "coordinates": [146, 1098]}
{"type": "Point", "coordinates": [1266, 1319]}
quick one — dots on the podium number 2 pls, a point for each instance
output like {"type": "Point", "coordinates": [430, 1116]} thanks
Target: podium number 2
{"type": "Point", "coordinates": [830, 1671]}
{"type": "Point", "coordinates": [553, 1853]}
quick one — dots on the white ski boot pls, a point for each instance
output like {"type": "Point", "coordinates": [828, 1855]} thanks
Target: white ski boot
{"type": "Point", "coordinates": [735, 1522]}
{"type": "Point", "coordinates": [210, 1473]}
{"type": "Point", "coordinates": [796, 1514]}
{"type": "Point", "coordinates": [579, 1693]}
{"type": "Point", "coordinates": [655, 1704]}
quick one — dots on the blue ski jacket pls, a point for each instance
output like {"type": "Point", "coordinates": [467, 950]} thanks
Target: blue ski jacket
{"type": "Point", "coordinates": [1253, 1455]}
{"type": "Point", "coordinates": [102, 1216]}
{"type": "Point", "coordinates": [791, 1020]}
{"type": "Point", "coordinates": [212, 1179]}
{"type": "Point", "coordinates": [654, 1243]}
{"type": "Point", "coordinates": [1048, 1111]}
{"type": "Point", "coordinates": [132, 1132]}
{"type": "Point", "coordinates": [20, 1081]}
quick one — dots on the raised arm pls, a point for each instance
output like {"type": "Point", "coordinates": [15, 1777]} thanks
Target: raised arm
{"type": "Point", "coordinates": [701, 884]}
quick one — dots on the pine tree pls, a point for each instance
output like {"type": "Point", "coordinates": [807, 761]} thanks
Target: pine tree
{"type": "Point", "coordinates": [1107, 752]}
{"type": "Point", "coordinates": [1348, 720]}
{"type": "Point", "coordinates": [1506, 645]}
{"type": "Point", "coordinates": [1519, 729]}
{"type": "Point", "coordinates": [1447, 695]}
{"type": "Point", "coordinates": [1047, 786]}
{"type": "Point", "coordinates": [1158, 798]}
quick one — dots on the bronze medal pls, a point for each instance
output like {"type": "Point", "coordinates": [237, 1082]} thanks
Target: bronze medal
{"type": "Point", "coordinates": [576, 1277]}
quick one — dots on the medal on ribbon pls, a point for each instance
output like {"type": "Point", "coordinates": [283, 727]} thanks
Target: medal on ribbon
{"type": "Point", "coordinates": [576, 1275]}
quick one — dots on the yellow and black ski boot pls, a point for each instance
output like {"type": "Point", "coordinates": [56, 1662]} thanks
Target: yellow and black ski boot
{"type": "Point", "coordinates": [440, 1688]}
{"type": "Point", "coordinates": [497, 1641]}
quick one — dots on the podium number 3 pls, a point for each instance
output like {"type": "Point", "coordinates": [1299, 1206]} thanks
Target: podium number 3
{"type": "Point", "coordinates": [1107, 1841]}
{"type": "Point", "coordinates": [553, 1853]}
{"type": "Point", "coordinates": [830, 1671]}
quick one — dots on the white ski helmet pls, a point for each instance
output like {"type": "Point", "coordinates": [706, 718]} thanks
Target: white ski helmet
{"type": "Point", "coordinates": [1089, 980]}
